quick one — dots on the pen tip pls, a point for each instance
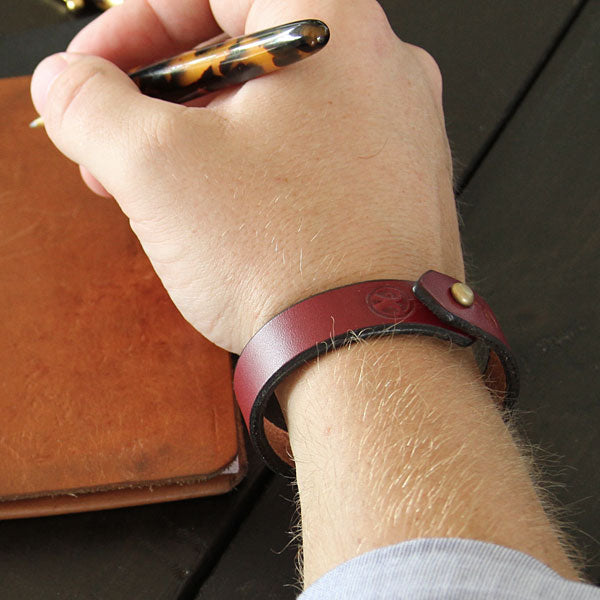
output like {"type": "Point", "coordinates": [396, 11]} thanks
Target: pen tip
{"type": "Point", "coordinates": [39, 122]}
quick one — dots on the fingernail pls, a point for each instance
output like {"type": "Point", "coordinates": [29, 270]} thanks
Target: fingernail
{"type": "Point", "coordinates": [45, 73]}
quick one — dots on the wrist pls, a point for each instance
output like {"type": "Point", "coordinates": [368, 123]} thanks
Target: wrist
{"type": "Point", "coordinates": [436, 305]}
{"type": "Point", "coordinates": [333, 269]}
{"type": "Point", "coordinates": [397, 364]}
{"type": "Point", "coordinates": [397, 439]}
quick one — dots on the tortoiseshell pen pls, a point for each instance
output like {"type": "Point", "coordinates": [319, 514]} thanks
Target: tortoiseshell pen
{"type": "Point", "coordinates": [209, 68]}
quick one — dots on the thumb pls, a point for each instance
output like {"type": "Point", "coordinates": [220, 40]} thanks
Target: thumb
{"type": "Point", "coordinates": [98, 118]}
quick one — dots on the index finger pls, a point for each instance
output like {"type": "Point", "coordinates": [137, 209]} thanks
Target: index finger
{"type": "Point", "coordinates": [139, 32]}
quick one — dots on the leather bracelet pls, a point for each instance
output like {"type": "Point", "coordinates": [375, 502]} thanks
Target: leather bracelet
{"type": "Point", "coordinates": [436, 305]}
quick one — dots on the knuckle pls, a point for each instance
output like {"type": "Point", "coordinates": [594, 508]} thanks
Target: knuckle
{"type": "Point", "coordinates": [379, 30]}
{"type": "Point", "coordinates": [377, 17]}
{"type": "Point", "coordinates": [157, 139]}
{"type": "Point", "coordinates": [72, 95]}
{"type": "Point", "coordinates": [162, 141]}
{"type": "Point", "coordinates": [429, 66]}
{"type": "Point", "coordinates": [374, 36]}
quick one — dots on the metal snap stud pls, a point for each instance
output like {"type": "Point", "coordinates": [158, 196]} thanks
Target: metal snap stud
{"type": "Point", "coordinates": [463, 294]}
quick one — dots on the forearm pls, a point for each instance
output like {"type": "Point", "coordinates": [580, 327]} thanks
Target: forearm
{"type": "Point", "coordinates": [397, 439]}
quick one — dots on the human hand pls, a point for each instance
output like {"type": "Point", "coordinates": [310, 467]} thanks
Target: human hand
{"type": "Point", "coordinates": [331, 171]}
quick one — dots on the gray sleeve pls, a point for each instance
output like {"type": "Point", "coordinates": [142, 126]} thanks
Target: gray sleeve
{"type": "Point", "coordinates": [448, 569]}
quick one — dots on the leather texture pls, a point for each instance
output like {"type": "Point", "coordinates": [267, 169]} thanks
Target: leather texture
{"type": "Point", "coordinates": [359, 311]}
{"type": "Point", "coordinates": [108, 397]}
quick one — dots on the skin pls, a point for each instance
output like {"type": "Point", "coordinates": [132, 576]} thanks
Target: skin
{"type": "Point", "coordinates": [331, 171]}
{"type": "Point", "coordinates": [411, 462]}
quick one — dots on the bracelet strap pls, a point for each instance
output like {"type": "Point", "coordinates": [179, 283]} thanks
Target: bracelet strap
{"type": "Point", "coordinates": [436, 305]}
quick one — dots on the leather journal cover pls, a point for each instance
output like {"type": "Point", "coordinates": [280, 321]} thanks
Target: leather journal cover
{"type": "Point", "coordinates": [108, 397]}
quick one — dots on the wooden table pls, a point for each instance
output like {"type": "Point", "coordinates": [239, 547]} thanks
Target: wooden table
{"type": "Point", "coordinates": [522, 99]}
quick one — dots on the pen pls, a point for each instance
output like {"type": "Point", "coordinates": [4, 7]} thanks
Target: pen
{"type": "Point", "coordinates": [209, 68]}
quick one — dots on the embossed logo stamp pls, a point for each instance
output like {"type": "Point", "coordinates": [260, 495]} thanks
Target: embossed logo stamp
{"type": "Point", "coordinates": [390, 302]}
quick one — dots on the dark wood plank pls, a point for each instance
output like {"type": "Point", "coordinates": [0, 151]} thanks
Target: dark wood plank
{"type": "Point", "coordinates": [33, 29]}
{"type": "Point", "coordinates": [261, 561]}
{"type": "Point", "coordinates": [532, 228]}
{"type": "Point", "coordinates": [21, 52]}
{"type": "Point", "coordinates": [488, 53]}
{"type": "Point", "coordinates": [16, 17]}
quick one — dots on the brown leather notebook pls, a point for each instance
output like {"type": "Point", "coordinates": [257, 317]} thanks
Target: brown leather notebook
{"type": "Point", "coordinates": [108, 397]}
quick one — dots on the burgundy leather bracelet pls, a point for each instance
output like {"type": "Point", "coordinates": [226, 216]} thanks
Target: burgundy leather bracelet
{"type": "Point", "coordinates": [436, 305]}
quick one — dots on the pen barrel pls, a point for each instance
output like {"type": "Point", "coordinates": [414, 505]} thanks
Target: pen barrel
{"type": "Point", "coordinates": [210, 68]}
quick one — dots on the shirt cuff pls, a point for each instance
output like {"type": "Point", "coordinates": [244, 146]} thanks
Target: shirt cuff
{"type": "Point", "coordinates": [446, 568]}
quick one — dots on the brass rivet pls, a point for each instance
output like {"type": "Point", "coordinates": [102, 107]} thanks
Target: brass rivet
{"type": "Point", "coordinates": [463, 294]}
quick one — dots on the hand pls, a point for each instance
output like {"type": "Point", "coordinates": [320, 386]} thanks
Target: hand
{"type": "Point", "coordinates": [330, 171]}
